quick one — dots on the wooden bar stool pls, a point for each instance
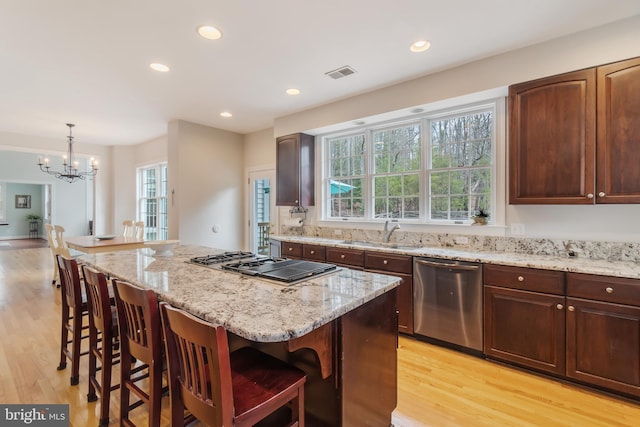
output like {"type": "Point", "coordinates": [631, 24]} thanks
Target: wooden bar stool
{"type": "Point", "coordinates": [222, 389]}
{"type": "Point", "coordinates": [141, 338]}
{"type": "Point", "coordinates": [103, 340]}
{"type": "Point", "coordinates": [74, 310]}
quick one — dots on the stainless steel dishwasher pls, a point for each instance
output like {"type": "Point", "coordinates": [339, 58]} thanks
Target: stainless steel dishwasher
{"type": "Point", "coordinates": [447, 301]}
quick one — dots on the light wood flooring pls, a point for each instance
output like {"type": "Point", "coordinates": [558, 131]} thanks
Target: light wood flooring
{"type": "Point", "coordinates": [436, 386]}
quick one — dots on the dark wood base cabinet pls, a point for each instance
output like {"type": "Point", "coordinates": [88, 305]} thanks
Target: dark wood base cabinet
{"type": "Point", "coordinates": [525, 328]}
{"type": "Point", "coordinates": [588, 333]}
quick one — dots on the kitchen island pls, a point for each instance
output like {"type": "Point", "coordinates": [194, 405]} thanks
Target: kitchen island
{"type": "Point", "coordinates": [340, 328]}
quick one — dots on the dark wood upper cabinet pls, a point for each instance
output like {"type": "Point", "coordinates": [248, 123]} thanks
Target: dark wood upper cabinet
{"type": "Point", "coordinates": [618, 147]}
{"type": "Point", "coordinates": [552, 140]}
{"type": "Point", "coordinates": [575, 138]}
{"type": "Point", "coordinates": [295, 170]}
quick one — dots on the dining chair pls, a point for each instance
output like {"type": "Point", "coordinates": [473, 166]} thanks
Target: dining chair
{"type": "Point", "coordinates": [103, 340]}
{"type": "Point", "coordinates": [138, 229]}
{"type": "Point", "coordinates": [141, 341]}
{"type": "Point", "coordinates": [128, 228]}
{"type": "Point", "coordinates": [220, 388]}
{"type": "Point", "coordinates": [74, 310]}
{"type": "Point", "coordinates": [49, 230]}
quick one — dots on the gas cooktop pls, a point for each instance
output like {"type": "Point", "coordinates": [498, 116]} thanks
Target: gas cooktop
{"type": "Point", "coordinates": [283, 270]}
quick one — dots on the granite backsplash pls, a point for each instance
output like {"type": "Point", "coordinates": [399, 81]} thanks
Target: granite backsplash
{"type": "Point", "coordinates": [610, 251]}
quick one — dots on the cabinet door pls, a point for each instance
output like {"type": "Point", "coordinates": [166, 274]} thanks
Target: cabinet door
{"type": "Point", "coordinates": [295, 170]}
{"type": "Point", "coordinates": [603, 344]}
{"type": "Point", "coordinates": [291, 250]}
{"type": "Point", "coordinates": [618, 146]}
{"type": "Point", "coordinates": [525, 328]}
{"type": "Point", "coordinates": [552, 140]}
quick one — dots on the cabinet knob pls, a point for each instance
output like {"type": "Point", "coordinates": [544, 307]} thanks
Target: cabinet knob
{"type": "Point", "coordinates": [571, 308]}
{"type": "Point", "coordinates": [296, 202]}
{"type": "Point", "coordinates": [313, 252]}
{"type": "Point", "coordinates": [385, 262]}
{"type": "Point", "coordinates": [601, 194]}
{"type": "Point", "coordinates": [589, 196]}
{"type": "Point", "coordinates": [520, 279]}
{"type": "Point", "coordinates": [290, 249]}
{"type": "Point", "coordinates": [559, 306]}
{"type": "Point", "coordinates": [343, 256]}
{"type": "Point", "coordinates": [609, 290]}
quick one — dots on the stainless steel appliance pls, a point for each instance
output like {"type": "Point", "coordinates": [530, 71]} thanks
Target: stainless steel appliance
{"type": "Point", "coordinates": [283, 270]}
{"type": "Point", "coordinates": [447, 299]}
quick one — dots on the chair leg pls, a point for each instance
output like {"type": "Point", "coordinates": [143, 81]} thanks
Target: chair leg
{"type": "Point", "coordinates": [64, 337]}
{"type": "Point", "coordinates": [105, 385]}
{"type": "Point", "coordinates": [75, 345]}
{"type": "Point", "coordinates": [125, 374]}
{"type": "Point", "coordinates": [297, 408]}
{"type": "Point", "coordinates": [155, 394]}
{"type": "Point", "coordinates": [93, 342]}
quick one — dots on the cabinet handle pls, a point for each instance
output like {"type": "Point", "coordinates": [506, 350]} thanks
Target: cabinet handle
{"type": "Point", "coordinates": [601, 194]}
{"type": "Point", "coordinates": [559, 306]}
{"type": "Point", "coordinates": [589, 196]}
{"type": "Point", "coordinates": [385, 262]}
{"type": "Point", "coordinates": [343, 256]}
{"type": "Point", "coordinates": [520, 279]}
{"type": "Point", "coordinates": [571, 308]}
{"type": "Point", "coordinates": [609, 290]}
{"type": "Point", "coordinates": [313, 252]}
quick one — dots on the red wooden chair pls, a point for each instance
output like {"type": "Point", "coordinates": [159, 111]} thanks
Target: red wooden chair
{"type": "Point", "coordinates": [103, 339]}
{"type": "Point", "coordinates": [74, 309]}
{"type": "Point", "coordinates": [141, 340]}
{"type": "Point", "coordinates": [222, 389]}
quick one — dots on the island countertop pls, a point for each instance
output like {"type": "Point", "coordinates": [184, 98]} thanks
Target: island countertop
{"type": "Point", "coordinates": [255, 309]}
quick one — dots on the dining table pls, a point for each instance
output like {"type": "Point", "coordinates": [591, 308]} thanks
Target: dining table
{"type": "Point", "coordinates": [97, 244]}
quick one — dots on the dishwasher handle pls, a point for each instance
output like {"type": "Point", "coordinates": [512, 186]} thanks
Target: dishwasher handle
{"type": "Point", "coordinates": [448, 265]}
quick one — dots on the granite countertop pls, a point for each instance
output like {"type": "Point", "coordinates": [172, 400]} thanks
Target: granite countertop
{"type": "Point", "coordinates": [254, 309]}
{"type": "Point", "coordinates": [576, 265]}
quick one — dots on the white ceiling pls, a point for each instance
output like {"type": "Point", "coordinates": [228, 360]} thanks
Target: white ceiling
{"type": "Point", "coordinates": [86, 61]}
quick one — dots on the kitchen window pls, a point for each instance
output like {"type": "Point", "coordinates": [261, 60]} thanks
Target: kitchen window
{"type": "Point", "coordinates": [152, 201]}
{"type": "Point", "coordinates": [438, 168]}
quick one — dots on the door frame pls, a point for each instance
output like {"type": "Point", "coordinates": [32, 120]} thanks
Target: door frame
{"type": "Point", "coordinates": [268, 171]}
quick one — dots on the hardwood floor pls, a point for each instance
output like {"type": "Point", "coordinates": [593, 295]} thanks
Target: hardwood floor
{"type": "Point", "coordinates": [436, 386]}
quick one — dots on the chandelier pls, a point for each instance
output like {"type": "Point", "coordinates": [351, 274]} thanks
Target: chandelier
{"type": "Point", "coordinates": [70, 165]}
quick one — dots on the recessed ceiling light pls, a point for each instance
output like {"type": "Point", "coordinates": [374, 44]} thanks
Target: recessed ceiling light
{"type": "Point", "coordinates": [209, 32]}
{"type": "Point", "coordinates": [293, 91]}
{"type": "Point", "coordinates": [226, 114]}
{"type": "Point", "coordinates": [159, 67]}
{"type": "Point", "coordinates": [420, 46]}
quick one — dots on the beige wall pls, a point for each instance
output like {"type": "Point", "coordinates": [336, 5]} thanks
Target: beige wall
{"type": "Point", "coordinates": [206, 172]}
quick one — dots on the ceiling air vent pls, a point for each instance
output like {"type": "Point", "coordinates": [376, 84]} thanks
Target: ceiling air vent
{"type": "Point", "coordinates": [340, 72]}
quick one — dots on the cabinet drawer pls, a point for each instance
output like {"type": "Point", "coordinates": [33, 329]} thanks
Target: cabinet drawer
{"type": "Point", "coordinates": [528, 279]}
{"type": "Point", "coordinates": [386, 262]}
{"type": "Point", "coordinates": [291, 249]}
{"type": "Point", "coordinates": [604, 288]}
{"type": "Point", "coordinates": [345, 256]}
{"type": "Point", "coordinates": [315, 252]}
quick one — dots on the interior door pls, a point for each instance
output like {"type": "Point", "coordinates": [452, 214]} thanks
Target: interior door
{"type": "Point", "coordinates": [262, 209]}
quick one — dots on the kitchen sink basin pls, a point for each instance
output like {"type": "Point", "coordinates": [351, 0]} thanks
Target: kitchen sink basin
{"type": "Point", "coordinates": [381, 244]}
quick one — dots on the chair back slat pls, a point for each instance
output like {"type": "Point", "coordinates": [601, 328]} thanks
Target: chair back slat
{"type": "Point", "coordinates": [98, 299]}
{"type": "Point", "coordinates": [198, 357]}
{"type": "Point", "coordinates": [70, 281]}
{"type": "Point", "coordinates": [139, 320]}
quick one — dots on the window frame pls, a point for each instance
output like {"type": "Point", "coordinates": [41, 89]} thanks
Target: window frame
{"type": "Point", "coordinates": [497, 198]}
{"type": "Point", "coordinates": [158, 231]}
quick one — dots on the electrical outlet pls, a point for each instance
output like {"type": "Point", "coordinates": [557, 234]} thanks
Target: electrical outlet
{"type": "Point", "coordinates": [517, 229]}
{"type": "Point", "coordinates": [462, 240]}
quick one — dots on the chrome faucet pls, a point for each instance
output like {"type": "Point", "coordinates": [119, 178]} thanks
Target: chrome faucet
{"type": "Point", "coordinates": [387, 231]}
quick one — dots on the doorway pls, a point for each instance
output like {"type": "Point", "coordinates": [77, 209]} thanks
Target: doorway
{"type": "Point", "coordinates": [262, 210]}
